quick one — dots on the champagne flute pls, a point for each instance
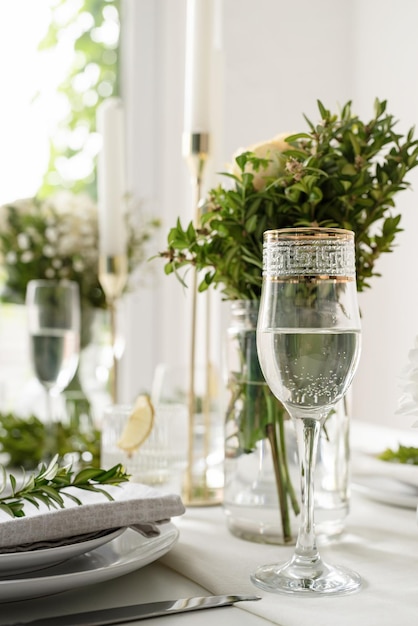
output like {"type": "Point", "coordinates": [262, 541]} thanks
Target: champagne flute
{"type": "Point", "coordinates": [308, 342]}
{"type": "Point", "coordinates": [53, 309]}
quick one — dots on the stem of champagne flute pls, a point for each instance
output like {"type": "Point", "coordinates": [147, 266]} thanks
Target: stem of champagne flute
{"type": "Point", "coordinates": [48, 407]}
{"type": "Point", "coordinates": [50, 443]}
{"type": "Point", "coordinates": [307, 435]}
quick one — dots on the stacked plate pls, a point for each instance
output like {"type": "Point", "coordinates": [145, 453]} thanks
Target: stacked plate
{"type": "Point", "coordinates": [388, 482]}
{"type": "Point", "coordinates": [46, 571]}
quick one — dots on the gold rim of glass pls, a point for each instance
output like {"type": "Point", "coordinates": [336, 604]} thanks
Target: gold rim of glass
{"type": "Point", "coordinates": [308, 231]}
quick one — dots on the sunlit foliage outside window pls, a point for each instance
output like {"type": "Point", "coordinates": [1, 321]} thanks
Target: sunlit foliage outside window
{"type": "Point", "coordinates": [86, 33]}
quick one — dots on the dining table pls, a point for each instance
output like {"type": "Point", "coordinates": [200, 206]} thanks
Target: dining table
{"type": "Point", "coordinates": [380, 542]}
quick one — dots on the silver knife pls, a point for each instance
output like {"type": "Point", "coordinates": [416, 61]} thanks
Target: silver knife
{"type": "Point", "coordinates": [123, 614]}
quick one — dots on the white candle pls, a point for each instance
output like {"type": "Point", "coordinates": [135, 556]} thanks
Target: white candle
{"type": "Point", "coordinates": [198, 60]}
{"type": "Point", "coordinates": [110, 179]}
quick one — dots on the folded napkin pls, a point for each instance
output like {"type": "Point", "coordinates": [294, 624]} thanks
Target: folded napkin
{"type": "Point", "coordinates": [134, 505]}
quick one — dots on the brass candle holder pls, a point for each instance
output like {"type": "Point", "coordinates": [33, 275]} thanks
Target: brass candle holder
{"type": "Point", "coordinates": [113, 275]}
{"type": "Point", "coordinates": [197, 492]}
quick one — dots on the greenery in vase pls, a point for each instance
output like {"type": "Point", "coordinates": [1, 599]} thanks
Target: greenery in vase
{"type": "Point", "coordinates": [253, 413]}
{"type": "Point", "coordinates": [339, 172]}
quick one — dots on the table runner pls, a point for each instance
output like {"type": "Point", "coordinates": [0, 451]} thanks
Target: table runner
{"type": "Point", "coordinates": [380, 542]}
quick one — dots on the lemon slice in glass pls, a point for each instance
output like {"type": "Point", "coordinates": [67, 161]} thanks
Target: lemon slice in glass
{"type": "Point", "coordinates": [138, 426]}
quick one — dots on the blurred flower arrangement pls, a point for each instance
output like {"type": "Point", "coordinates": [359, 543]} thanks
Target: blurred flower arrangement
{"type": "Point", "coordinates": [58, 238]}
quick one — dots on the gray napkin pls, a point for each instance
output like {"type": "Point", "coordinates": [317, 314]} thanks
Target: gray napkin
{"type": "Point", "coordinates": [134, 505]}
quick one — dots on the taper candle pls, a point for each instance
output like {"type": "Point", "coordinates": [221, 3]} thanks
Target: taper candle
{"type": "Point", "coordinates": [197, 71]}
{"type": "Point", "coordinates": [111, 179]}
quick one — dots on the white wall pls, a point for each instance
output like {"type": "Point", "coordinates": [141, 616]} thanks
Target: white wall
{"type": "Point", "coordinates": [279, 58]}
{"type": "Point", "coordinates": [386, 56]}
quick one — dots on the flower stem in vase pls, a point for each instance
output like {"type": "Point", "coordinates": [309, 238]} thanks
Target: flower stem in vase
{"type": "Point", "coordinates": [284, 513]}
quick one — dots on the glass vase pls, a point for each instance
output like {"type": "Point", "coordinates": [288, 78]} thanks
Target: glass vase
{"type": "Point", "coordinates": [262, 492]}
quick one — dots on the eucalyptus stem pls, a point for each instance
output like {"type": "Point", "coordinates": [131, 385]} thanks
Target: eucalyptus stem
{"type": "Point", "coordinates": [284, 512]}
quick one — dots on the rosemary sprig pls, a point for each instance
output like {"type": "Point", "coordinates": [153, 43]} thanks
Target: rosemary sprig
{"type": "Point", "coordinates": [50, 484]}
{"type": "Point", "coordinates": [404, 454]}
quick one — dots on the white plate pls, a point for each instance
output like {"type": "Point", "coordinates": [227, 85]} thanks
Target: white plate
{"type": "Point", "coordinates": [404, 472]}
{"type": "Point", "coordinates": [126, 553]}
{"type": "Point", "coordinates": [385, 490]}
{"type": "Point", "coordinates": [390, 483]}
{"type": "Point", "coordinates": [18, 562]}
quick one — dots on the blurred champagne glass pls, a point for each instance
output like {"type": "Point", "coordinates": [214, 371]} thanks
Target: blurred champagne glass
{"type": "Point", "coordinates": [53, 310]}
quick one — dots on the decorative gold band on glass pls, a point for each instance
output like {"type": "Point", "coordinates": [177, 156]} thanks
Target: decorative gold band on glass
{"type": "Point", "coordinates": [309, 252]}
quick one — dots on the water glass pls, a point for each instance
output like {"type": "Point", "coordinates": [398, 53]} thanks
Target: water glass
{"type": "Point", "coordinates": [162, 459]}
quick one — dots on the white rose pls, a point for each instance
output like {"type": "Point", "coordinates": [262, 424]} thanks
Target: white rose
{"type": "Point", "coordinates": [272, 150]}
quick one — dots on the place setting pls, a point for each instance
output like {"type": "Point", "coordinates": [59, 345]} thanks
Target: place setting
{"type": "Point", "coordinates": [384, 469]}
{"type": "Point", "coordinates": [68, 523]}
{"type": "Point", "coordinates": [384, 464]}
{"type": "Point", "coordinates": [104, 528]}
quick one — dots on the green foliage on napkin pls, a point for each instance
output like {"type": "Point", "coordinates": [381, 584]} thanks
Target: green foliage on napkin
{"type": "Point", "coordinates": [50, 484]}
{"type": "Point", "coordinates": [25, 441]}
{"type": "Point", "coordinates": [404, 454]}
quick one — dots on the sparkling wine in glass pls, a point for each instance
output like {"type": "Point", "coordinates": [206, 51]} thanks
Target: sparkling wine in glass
{"type": "Point", "coordinates": [308, 342]}
{"type": "Point", "coordinates": [53, 309]}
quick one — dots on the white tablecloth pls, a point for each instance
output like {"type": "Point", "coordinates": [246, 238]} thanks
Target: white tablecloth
{"type": "Point", "coordinates": [381, 543]}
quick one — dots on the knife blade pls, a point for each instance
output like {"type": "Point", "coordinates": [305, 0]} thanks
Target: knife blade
{"type": "Point", "coordinates": [123, 614]}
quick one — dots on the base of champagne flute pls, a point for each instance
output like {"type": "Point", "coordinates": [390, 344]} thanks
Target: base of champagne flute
{"type": "Point", "coordinates": [298, 577]}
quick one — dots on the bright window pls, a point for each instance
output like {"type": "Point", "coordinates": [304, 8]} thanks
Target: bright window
{"type": "Point", "coordinates": [24, 119]}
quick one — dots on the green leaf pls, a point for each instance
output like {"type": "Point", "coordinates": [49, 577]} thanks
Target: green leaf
{"type": "Point", "coordinates": [251, 224]}
{"type": "Point", "coordinates": [87, 474]}
{"type": "Point", "coordinates": [322, 110]}
{"type": "Point", "coordinates": [296, 137]}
